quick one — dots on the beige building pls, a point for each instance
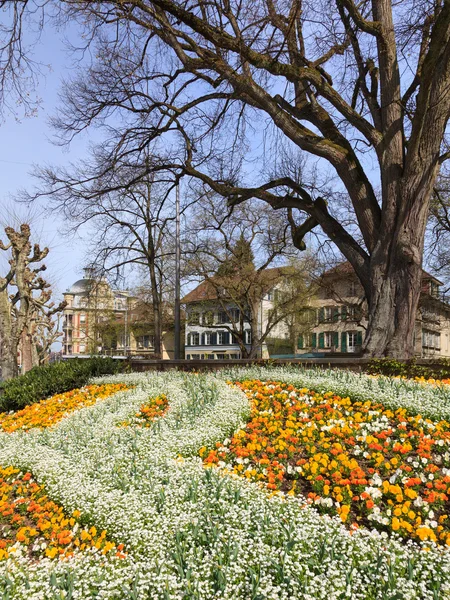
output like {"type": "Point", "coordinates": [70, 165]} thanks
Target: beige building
{"type": "Point", "coordinates": [99, 320]}
{"type": "Point", "coordinates": [337, 318]}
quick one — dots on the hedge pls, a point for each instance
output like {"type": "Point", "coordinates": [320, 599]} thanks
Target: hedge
{"type": "Point", "coordinates": [57, 378]}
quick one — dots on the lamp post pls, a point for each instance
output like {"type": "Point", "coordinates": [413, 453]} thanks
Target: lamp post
{"type": "Point", "coordinates": [177, 347]}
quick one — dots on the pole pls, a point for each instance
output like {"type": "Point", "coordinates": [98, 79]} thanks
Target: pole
{"type": "Point", "coordinates": [177, 277]}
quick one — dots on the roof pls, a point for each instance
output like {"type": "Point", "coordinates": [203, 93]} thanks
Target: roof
{"type": "Point", "coordinates": [345, 268]}
{"type": "Point", "coordinates": [208, 290]}
{"type": "Point", "coordinates": [82, 286]}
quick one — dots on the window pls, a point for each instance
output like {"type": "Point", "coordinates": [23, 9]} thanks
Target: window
{"type": "Point", "coordinates": [248, 336]}
{"type": "Point", "coordinates": [194, 318]}
{"type": "Point", "coordinates": [195, 356]}
{"type": "Point", "coordinates": [82, 318]}
{"type": "Point", "coordinates": [208, 338]}
{"type": "Point", "coordinates": [327, 339]}
{"type": "Point", "coordinates": [434, 289]}
{"type": "Point", "coordinates": [69, 349]}
{"type": "Point", "coordinates": [210, 356]}
{"type": "Point", "coordinates": [221, 356]}
{"type": "Point", "coordinates": [437, 341]}
{"type": "Point", "coordinates": [431, 339]}
{"type": "Point", "coordinates": [82, 348]}
{"type": "Point", "coordinates": [222, 317]}
{"type": "Point", "coordinates": [235, 314]}
{"type": "Point", "coordinates": [351, 312]}
{"type": "Point", "coordinates": [208, 317]}
{"type": "Point", "coordinates": [235, 356]}
{"type": "Point", "coordinates": [352, 341]}
{"type": "Point", "coordinates": [145, 341]}
{"type": "Point", "coordinates": [328, 313]}
{"type": "Point", "coordinates": [221, 338]}
{"type": "Point", "coordinates": [352, 288]}
{"type": "Point", "coordinates": [195, 339]}
{"type": "Point", "coordinates": [118, 304]}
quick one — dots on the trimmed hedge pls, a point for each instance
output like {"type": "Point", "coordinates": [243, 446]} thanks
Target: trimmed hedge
{"type": "Point", "coordinates": [394, 368]}
{"type": "Point", "coordinates": [57, 378]}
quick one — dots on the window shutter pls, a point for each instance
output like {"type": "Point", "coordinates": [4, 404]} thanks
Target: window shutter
{"type": "Point", "coordinates": [344, 341]}
{"type": "Point", "coordinates": [343, 313]}
{"type": "Point", "coordinates": [336, 340]}
{"type": "Point", "coordinates": [188, 339]}
{"type": "Point", "coordinates": [202, 342]}
{"type": "Point", "coordinates": [300, 342]}
{"type": "Point", "coordinates": [335, 314]}
{"type": "Point", "coordinates": [226, 338]}
{"type": "Point", "coordinates": [321, 340]}
{"type": "Point", "coordinates": [214, 339]}
{"type": "Point", "coordinates": [314, 340]}
{"type": "Point", "coordinates": [359, 338]}
{"type": "Point", "coordinates": [321, 315]}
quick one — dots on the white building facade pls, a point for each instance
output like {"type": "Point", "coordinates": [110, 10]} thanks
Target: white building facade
{"type": "Point", "coordinates": [210, 322]}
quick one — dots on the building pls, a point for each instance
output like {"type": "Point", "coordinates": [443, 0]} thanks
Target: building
{"type": "Point", "coordinates": [336, 320]}
{"type": "Point", "coordinates": [99, 320]}
{"type": "Point", "coordinates": [212, 317]}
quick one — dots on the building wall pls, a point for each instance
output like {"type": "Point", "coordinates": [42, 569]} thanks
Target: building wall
{"type": "Point", "coordinates": [209, 349]}
{"type": "Point", "coordinates": [84, 310]}
{"type": "Point", "coordinates": [339, 308]}
{"type": "Point", "coordinates": [228, 349]}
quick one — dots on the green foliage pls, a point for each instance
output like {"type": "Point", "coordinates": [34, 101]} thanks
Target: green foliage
{"type": "Point", "coordinates": [241, 258]}
{"type": "Point", "coordinates": [394, 368]}
{"type": "Point", "coordinates": [57, 378]}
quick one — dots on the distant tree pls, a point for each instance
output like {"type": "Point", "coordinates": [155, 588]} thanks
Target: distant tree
{"type": "Point", "coordinates": [129, 219]}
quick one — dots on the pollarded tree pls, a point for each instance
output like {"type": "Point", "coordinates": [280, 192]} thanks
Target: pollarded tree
{"type": "Point", "coordinates": [25, 300]}
{"type": "Point", "coordinates": [364, 87]}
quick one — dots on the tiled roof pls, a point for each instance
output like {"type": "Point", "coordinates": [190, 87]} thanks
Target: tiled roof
{"type": "Point", "coordinates": [208, 290]}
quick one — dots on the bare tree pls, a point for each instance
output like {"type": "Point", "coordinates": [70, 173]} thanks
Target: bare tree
{"type": "Point", "coordinates": [130, 220]}
{"type": "Point", "coordinates": [24, 300]}
{"type": "Point", "coordinates": [353, 84]}
{"type": "Point", "coordinates": [21, 26]}
{"type": "Point", "coordinates": [241, 257]}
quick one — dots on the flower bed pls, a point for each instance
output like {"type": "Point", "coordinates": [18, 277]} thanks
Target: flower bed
{"type": "Point", "coordinates": [33, 524]}
{"type": "Point", "coordinates": [153, 409]}
{"type": "Point", "coordinates": [369, 465]}
{"type": "Point", "coordinates": [49, 412]}
{"type": "Point", "coordinates": [190, 532]}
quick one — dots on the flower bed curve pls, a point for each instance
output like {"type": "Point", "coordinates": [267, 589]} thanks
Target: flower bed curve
{"type": "Point", "coordinates": [368, 464]}
{"type": "Point", "coordinates": [31, 523]}
{"type": "Point", "coordinates": [47, 413]}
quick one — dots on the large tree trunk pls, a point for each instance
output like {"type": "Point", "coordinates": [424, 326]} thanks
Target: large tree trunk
{"type": "Point", "coordinates": [156, 304]}
{"type": "Point", "coordinates": [26, 344]}
{"type": "Point", "coordinates": [8, 348]}
{"type": "Point", "coordinates": [396, 275]}
{"type": "Point", "coordinates": [393, 309]}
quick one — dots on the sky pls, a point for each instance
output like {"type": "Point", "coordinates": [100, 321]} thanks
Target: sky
{"type": "Point", "coordinates": [26, 142]}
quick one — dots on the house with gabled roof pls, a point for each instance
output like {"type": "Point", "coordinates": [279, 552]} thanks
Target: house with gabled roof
{"type": "Point", "coordinates": [226, 317]}
{"type": "Point", "coordinates": [337, 319]}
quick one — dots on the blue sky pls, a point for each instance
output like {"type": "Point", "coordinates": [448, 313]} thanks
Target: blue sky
{"type": "Point", "coordinates": [26, 142]}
